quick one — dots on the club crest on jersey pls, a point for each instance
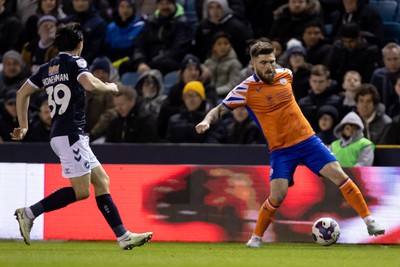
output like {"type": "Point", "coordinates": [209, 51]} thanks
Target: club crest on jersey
{"type": "Point", "coordinates": [283, 81]}
{"type": "Point", "coordinates": [81, 63]}
{"type": "Point", "coordinates": [86, 164]}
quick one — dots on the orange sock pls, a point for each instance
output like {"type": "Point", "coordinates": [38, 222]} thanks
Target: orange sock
{"type": "Point", "coordinates": [265, 216]}
{"type": "Point", "coordinates": [354, 197]}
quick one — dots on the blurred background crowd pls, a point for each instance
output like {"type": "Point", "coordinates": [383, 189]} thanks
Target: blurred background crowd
{"type": "Point", "coordinates": [175, 60]}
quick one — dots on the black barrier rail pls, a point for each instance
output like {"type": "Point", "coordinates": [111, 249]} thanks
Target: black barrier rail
{"type": "Point", "coordinates": [207, 154]}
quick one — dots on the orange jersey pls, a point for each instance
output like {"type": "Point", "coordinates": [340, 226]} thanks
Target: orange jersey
{"type": "Point", "coordinates": [274, 109]}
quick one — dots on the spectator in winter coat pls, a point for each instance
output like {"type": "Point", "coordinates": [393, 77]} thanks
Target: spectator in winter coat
{"type": "Point", "coordinates": [372, 113]}
{"type": "Point", "coordinates": [223, 64]}
{"type": "Point", "coordinates": [327, 117]}
{"type": "Point", "coordinates": [164, 41]}
{"type": "Point", "coordinates": [319, 95]}
{"type": "Point", "coordinates": [93, 27]}
{"type": "Point", "coordinates": [181, 126]}
{"type": "Point", "coordinates": [122, 34]}
{"type": "Point", "coordinates": [290, 19]}
{"type": "Point", "coordinates": [132, 124]}
{"type": "Point", "coordinates": [218, 17]}
{"type": "Point", "coordinates": [352, 148]}
{"type": "Point", "coordinates": [384, 78]}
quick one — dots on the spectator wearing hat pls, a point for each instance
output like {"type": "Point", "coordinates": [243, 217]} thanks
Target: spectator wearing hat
{"type": "Point", "coordinates": [149, 88]}
{"type": "Point", "coordinates": [352, 149]}
{"type": "Point", "coordinates": [132, 125]}
{"type": "Point", "coordinates": [93, 27]}
{"type": "Point", "coordinates": [11, 29]}
{"type": "Point", "coordinates": [224, 65]}
{"type": "Point", "coordinates": [13, 74]}
{"type": "Point", "coordinates": [38, 52]}
{"type": "Point", "coordinates": [161, 51]}
{"type": "Point", "coordinates": [190, 70]}
{"type": "Point", "coordinates": [122, 33]}
{"type": "Point", "coordinates": [100, 107]}
{"type": "Point", "coordinates": [181, 126]}
{"type": "Point", "coordinates": [353, 52]}
{"type": "Point", "coordinates": [44, 8]}
{"type": "Point", "coordinates": [327, 117]}
{"type": "Point", "coordinates": [217, 17]}
{"type": "Point", "coordinates": [295, 58]}
{"type": "Point", "coordinates": [8, 115]}
{"type": "Point", "coordinates": [319, 95]}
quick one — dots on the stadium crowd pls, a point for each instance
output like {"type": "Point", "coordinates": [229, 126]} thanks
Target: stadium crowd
{"type": "Point", "coordinates": [175, 60]}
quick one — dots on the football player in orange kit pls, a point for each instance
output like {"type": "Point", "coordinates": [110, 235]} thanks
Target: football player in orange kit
{"type": "Point", "coordinates": [268, 97]}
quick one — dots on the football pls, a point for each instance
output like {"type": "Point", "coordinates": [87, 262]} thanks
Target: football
{"type": "Point", "coordinates": [325, 231]}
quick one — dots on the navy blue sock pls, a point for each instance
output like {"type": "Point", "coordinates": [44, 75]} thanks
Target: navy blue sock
{"type": "Point", "coordinates": [110, 212]}
{"type": "Point", "coordinates": [56, 200]}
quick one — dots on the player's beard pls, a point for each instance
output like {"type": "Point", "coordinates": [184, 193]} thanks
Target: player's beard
{"type": "Point", "coordinates": [267, 77]}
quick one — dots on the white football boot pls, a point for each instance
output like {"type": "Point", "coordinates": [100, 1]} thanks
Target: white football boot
{"type": "Point", "coordinates": [135, 240]}
{"type": "Point", "coordinates": [25, 225]}
{"type": "Point", "coordinates": [254, 242]}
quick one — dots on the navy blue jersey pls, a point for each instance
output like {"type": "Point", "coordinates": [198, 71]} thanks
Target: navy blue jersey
{"type": "Point", "coordinates": [66, 95]}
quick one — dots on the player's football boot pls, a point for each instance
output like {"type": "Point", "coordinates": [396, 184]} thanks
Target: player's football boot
{"type": "Point", "coordinates": [375, 229]}
{"type": "Point", "coordinates": [254, 242]}
{"type": "Point", "coordinates": [135, 240]}
{"type": "Point", "coordinates": [25, 225]}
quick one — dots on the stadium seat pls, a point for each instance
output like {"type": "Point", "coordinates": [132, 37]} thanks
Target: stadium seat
{"type": "Point", "coordinates": [170, 79]}
{"type": "Point", "coordinates": [130, 78]}
{"type": "Point", "coordinates": [387, 9]}
{"type": "Point", "coordinates": [392, 31]}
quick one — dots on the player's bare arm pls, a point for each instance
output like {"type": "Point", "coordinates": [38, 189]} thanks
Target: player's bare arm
{"type": "Point", "coordinates": [212, 116]}
{"type": "Point", "coordinates": [23, 97]}
{"type": "Point", "coordinates": [93, 84]}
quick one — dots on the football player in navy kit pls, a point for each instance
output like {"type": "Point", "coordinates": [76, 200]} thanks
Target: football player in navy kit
{"type": "Point", "coordinates": [65, 79]}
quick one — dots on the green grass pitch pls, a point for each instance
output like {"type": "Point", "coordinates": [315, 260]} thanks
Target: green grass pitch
{"type": "Point", "coordinates": [108, 254]}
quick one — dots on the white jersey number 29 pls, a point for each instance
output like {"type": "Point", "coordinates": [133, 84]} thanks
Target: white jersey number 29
{"type": "Point", "coordinates": [57, 102]}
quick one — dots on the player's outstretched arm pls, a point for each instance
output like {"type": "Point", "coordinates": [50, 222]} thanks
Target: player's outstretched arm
{"type": "Point", "coordinates": [93, 84]}
{"type": "Point", "coordinates": [212, 116]}
{"type": "Point", "coordinates": [23, 97]}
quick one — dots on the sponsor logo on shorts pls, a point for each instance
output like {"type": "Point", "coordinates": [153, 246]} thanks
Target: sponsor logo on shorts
{"type": "Point", "coordinates": [76, 152]}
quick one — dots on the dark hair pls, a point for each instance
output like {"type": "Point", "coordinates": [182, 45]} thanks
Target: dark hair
{"type": "Point", "coordinates": [53, 12]}
{"type": "Point", "coordinates": [350, 30]}
{"type": "Point", "coordinates": [316, 23]}
{"type": "Point", "coordinates": [221, 34]}
{"type": "Point", "coordinates": [368, 89]}
{"type": "Point", "coordinates": [261, 48]}
{"type": "Point", "coordinates": [68, 36]}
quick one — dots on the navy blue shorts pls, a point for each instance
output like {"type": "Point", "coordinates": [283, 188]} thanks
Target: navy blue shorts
{"type": "Point", "coordinates": [311, 152]}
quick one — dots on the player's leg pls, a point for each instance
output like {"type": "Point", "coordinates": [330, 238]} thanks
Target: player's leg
{"type": "Point", "coordinates": [279, 189]}
{"type": "Point", "coordinates": [106, 205]}
{"type": "Point", "coordinates": [75, 166]}
{"type": "Point", "coordinates": [352, 194]}
{"type": "Point", "coordinates": [283, 164]}
{"type": "Point", "coordinates": [58, 199]}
